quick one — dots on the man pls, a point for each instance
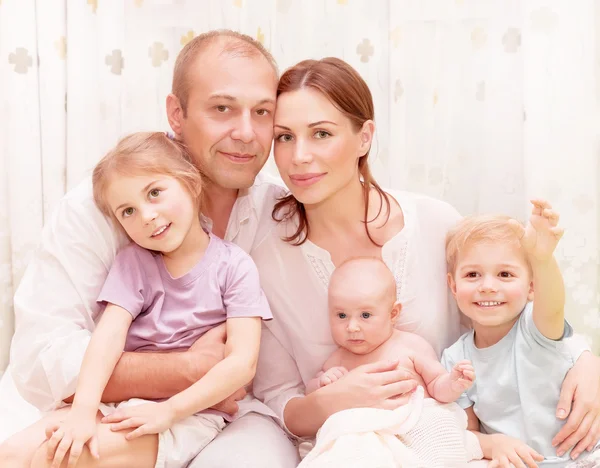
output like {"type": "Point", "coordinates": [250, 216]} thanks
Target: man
{"type": "Point", "coordinates": [221, 106]}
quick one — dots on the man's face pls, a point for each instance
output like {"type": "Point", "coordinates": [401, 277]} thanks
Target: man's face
{"type": "Point", "coordinates": [228, 126]}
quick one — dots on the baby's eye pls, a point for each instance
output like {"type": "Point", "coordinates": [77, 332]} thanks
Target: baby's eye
{"type": "Point", "coordinates": [365, 315]}
{"type": "Point", "coordinates": [128, 212]}
{"type": "Point", "coordinates": [342, 315]}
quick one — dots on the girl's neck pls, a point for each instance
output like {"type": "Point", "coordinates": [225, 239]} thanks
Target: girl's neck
{"type": "Point", "coordinates": [181, 260]}
{"type": "Point", "coordinates": [489, 336]}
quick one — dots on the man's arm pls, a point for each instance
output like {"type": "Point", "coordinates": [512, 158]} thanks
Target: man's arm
{"type": "Point", "coordinates": [55, 308]}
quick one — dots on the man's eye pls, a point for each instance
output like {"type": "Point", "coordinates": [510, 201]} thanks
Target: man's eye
{"type": "Point", "coordinates": [262, 112]}
{"type": "Point", "coordinates": [222, 109]}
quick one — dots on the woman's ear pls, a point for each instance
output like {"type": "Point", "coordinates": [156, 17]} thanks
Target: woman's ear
{"type": "Point", "coordinates": [366, 137]}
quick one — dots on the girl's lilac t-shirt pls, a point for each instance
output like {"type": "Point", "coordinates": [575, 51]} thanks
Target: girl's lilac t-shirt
{"type": "Point", "coordinates": [172, 313]}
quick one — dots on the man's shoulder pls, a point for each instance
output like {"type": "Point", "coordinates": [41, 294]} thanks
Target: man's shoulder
{"type": "Point", "coordinates": [267, 190]}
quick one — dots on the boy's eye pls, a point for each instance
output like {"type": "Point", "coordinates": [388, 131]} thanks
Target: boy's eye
{"type": "Point", "coordinates": [505, 274]}
{"type": "Point", "coordinates": [365, 315]}
{"type": "Point", "coordinates": [342, 315]}
{"type": "Point", "coordinates": [472, 274]}
{"type": "Point", "coordinates": [128, 212]}
{"type": "Point", "coordinates": [154, 193]}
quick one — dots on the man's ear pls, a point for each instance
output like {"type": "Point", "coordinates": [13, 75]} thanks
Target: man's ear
{"type": "Point", "coordinates": [175, 114]}
{"type": "Point", "coordinates": [396, 311]}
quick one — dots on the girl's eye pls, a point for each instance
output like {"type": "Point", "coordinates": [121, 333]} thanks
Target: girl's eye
{"type": "Point", "coordinates": [342, 315]}
{"type": "Point", "coordinates": [128, 212]}
{"type": "Point", "coordinates": [154, 193]}
{"type": "Point", "coordinates": [284, 138]}
{"type": "Point", "coordinates": [365, 315]}
{"type": "Point", "coordinates": [321, 134]}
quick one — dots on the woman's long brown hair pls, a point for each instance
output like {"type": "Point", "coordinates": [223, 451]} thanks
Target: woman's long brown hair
{"type": "Point", "coordinates": [349, 93]}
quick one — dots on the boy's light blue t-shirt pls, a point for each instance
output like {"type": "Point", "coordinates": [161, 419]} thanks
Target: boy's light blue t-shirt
{"type": "Point", "coordinates": [517, 384]}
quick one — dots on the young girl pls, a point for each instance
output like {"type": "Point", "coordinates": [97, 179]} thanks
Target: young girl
{"type": "Point", "coordinates": [173, 283]}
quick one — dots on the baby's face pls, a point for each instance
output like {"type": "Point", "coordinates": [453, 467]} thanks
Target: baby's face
{"type": "Point", "coordinates": [360, 313]}
{"type": "Point", "coordinates": [492, 283]}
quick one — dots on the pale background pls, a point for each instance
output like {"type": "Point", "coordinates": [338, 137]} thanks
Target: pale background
{"type": "Point", "coordinates": [483, 103]}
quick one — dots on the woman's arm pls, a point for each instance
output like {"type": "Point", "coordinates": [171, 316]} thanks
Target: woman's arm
{"type": "Point", "coordinates": [233, 372]}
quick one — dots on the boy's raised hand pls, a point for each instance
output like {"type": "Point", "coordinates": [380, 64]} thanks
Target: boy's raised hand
{"type": "Point", "coordinates": [542, 233]}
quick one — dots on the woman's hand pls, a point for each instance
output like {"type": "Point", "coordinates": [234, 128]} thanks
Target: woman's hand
{"type": "Point", "coordinates": [581, 389]}
{"type": "Point", "coordinates": [376, 385]}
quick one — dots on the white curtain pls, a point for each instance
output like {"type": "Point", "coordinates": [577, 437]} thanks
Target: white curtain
{"type": "Point", "coordinates": [483, 103]}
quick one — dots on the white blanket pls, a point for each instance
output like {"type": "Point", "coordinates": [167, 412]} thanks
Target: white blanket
{"type": "Point", "coordinates": [421, 434]}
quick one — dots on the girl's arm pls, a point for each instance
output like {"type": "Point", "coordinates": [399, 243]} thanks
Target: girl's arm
{"type": "Point", "coordinates": [101, 356]}
{"type": "Point", "coordinates": [232, 373]}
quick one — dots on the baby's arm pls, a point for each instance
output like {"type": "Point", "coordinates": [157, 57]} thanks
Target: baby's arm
{"type": "Point", "coordinates": [444, 386]}
{"type": "Point", "coordinates": [332, 371]}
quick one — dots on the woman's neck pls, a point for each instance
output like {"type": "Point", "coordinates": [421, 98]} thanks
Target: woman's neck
{"type": "Point", "coordinates": [343, 212]}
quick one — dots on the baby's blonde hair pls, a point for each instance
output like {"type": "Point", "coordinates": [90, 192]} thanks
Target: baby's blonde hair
{"type": "Point", "coordinates": [145, 153]}
{"type": "Point", "coordinates": [478, 229]}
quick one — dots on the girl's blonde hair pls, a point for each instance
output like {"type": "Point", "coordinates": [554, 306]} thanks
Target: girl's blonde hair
{"type": "Point", "coordinates": [145, 153]}
{"type": "Point", "coordinates": [478, 229]}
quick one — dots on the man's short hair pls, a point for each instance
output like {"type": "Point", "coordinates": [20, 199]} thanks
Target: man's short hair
{"type": "Point", "coordinates": [233, 43]}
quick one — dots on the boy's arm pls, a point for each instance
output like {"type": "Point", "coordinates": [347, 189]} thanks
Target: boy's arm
{"type": "Point", "coordinates": [539, 239]}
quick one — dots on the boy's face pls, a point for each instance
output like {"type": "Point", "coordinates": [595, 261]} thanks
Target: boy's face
{"type": "Point", "coordinates": [492, 283]}
{"type": "Point", "coordinates": [361, 312]}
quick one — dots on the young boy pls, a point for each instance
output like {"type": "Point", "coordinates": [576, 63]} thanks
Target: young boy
{"type": "Point", "coordinates": [516, 346]}
{"type": "Point", "coordinates": [362, 312]}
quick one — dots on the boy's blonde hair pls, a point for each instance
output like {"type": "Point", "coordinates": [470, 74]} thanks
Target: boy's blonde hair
{"type": "Point", "coordinates": [478, 229]}
{"type": "Point", "coordinates": [145, 153]}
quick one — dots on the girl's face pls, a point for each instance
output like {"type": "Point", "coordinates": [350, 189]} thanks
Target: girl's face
{"type": "Point", "coordinates": [155, 210]}
{"type": "Point", "coordinates": [316, 146]}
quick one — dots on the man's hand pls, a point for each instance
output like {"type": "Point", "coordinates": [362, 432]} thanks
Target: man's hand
{"type": "Point", "coordinates": [332, 375]}
{"type": "Point", "coordinates": [507, 451]}
{"type": "Point", "coordinates": [462, 376]}
{"type": "Point", "coordinates": [581, 389]}
{"type": "Point", "coordinates": [376, 385]}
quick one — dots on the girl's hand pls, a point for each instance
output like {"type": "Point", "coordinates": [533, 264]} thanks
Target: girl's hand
{"type": "Point", "coordinates": [77, 430]}
{"type": "Point", "coordinates": [149, 418]}
{"type": "Point", "coordinates": [507, 450]}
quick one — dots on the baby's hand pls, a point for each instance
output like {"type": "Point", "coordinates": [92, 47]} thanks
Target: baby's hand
{"type": "Point", "coordinates": [507, 452]}
{"type": "Point", "coordinates": [462, 376]}
{"type": "Point", "coordinates": [331, 375]}
{"type": "Point", "coordinates": [541, 235]}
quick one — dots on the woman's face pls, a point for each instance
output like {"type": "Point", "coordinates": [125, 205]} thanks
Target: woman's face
{"type": "Point", "coordinates": [316, 147]}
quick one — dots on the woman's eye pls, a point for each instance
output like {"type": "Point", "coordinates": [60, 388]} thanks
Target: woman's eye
{"type": "Point", "coordinates": [365, 315]}
{"type": "Point", "coordinates": [128, 212]}
{"type": "Point", "coordinates": [284, 137]}
{"type": "Point", "coordinates": [154, 193]}
{"type": "Point", "coordinates": [322, 134]}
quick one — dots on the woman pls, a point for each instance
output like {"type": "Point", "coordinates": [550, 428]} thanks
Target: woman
{"type": "Point", "coordinates": [323, 133]}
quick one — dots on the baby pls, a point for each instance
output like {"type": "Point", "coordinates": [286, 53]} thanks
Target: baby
{"type": "Point", "coordinates": [363, 310]}
{"type": "Point", "coordinates": [517, 345]}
